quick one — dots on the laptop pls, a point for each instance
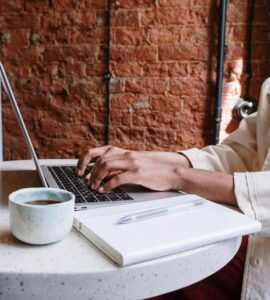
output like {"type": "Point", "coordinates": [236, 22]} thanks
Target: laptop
{"type": "Point", "coordinates": [64, 177]}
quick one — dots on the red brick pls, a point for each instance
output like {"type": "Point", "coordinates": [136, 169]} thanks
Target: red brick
{"type": "Point", "coordinates": [83, 20]}
{"type": "Point", "coordinates": [170, 3]}
{"type": "Point", "coordinates": [95, 69]}
{"type": "Point", "coordinates": [141, 53]}
{"type": "Point", "coordinates": [118, 118]}
{"type": "Point", "coordinates": [117, 85]}
{"type": "Point", "coordinates": [158, 70]}
{"type": "Point", "coordinates": [166, 103]}
{"type": "Point", "coordinates": [127, 18]}
{"type": "Point", "coordinates": [199, 71]}
{"type": "Point", "coordinates": [177, 69]}
{"type": "Point", "coordinates": [261, 14]}
{"type": "Point", "coordinates": [145, 86]}
{"type": "Point", "coordinates": [199, 36]}
{"type": "Point", "coordinates": [144, 119]}
{"type": "Point", "coordinates": [236, 13]}
{"type": "Point", "coordinates": [78, 69]}
{"type": "Point", "coordinates": [21, 37]}
{"type": "Point", "coordinates": [122, 101]}
{"type": "Point", "coordinates": [124, 135]}
{"type": "Point", "coordinates": [164, 16]}
{"type": "Point", "coordinates": [188, 87]}
{"type": "Point", "coordinates": [160, 137]}
{"type": "Point", "coordinates": [69, 53]}
{"type": "Point", "coordinates": [185, 51]}
{"type": "Point", "coordinates": [37, 6]}
{"type": "Point", "coordinates": [64, 5]}
{"type": "Point", "coordinates": [128, 36]}
{"type": "Point", "coordinates": [166, 35]}
{"type": "Point", "coordinates": [25, 55]}
{"type": "Point", "coordinates": [129, 4]}
{"type": "Point", "coordinates": [21, 20]}
{"type": "Point", "coordinates": [127, 69]}
{"type": "Point", "coordinates": [12, 6]}
{"type": "Point", "coordinates": [87, 87]}
{"type": "Point", "coordinates": [94, 4]}
{"type": "Point", "coordinates": [199, 15]}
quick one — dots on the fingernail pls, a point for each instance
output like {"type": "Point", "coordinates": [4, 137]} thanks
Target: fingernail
{"type": "Point", "coordinates": [101, 190]}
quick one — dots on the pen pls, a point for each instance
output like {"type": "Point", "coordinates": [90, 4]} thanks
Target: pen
{"type": "Point", "coordinates": [159, 211]}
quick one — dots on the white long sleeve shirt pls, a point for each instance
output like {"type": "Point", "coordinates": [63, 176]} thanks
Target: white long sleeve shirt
{"type": "Point", "coordinates": [246, 155]}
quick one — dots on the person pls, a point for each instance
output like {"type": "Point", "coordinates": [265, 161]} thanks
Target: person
{"type": "Point", "coordinates": [235, 172]}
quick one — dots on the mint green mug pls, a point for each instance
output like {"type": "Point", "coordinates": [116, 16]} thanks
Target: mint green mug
{"type": "Point", "coordinates": [41, 215]}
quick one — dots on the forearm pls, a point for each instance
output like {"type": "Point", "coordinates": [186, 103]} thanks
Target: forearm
{"type": "Point", "coordinates": [214, 186]}
{"type": "Point", "coordinates": [178, 159]}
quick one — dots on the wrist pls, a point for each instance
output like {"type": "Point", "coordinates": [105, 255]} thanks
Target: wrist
{"type": "Point", "coordinates": [179, 178]}
{"type": "Point", "coordinates": [184, 161]}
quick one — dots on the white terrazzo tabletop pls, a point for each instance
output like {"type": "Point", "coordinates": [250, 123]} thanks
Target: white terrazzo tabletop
{"type": "Point", "coordinates": [75, 269]}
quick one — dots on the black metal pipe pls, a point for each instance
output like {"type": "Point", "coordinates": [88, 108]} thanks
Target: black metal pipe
{"type": "Point", "coordinates": [249, 40]}
{"type": "Point", "coordinates": [220, 63]}
{"type": "Point", "coordinates": [107, 75]}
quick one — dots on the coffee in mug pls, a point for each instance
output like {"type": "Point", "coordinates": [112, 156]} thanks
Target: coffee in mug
{"type": "Point", "coordinates": [41, 215]}
{"type": "Point", "coordinates": [42, 202]}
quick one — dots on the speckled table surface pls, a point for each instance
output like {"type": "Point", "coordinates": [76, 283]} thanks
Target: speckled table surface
{"type": "Point", "coordinates": [75, 269]}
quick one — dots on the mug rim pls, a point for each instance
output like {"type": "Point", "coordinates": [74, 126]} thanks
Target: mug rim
{"type": "Point", "coordinates": [13, 194]}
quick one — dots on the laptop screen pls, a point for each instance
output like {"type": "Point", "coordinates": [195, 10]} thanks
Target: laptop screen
{"type": "Point", "coordinates": [7, 87]}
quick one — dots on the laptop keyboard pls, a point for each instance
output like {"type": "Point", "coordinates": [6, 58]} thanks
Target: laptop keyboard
{"type": "Point", "coordinates": [66, 179]}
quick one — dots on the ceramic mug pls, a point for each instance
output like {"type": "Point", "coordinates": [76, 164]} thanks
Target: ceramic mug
{"type": "Point", "coordinates": [41, 215]}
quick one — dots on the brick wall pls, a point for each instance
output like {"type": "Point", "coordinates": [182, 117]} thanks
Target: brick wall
{"type": "Point", "coordinates": [163, 60]}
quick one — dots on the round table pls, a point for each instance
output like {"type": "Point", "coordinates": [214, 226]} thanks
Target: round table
{"type": "Point", "coordinates": [75, 269]}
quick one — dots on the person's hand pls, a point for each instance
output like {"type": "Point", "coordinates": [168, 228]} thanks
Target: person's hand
{"type": "Point", "coordinates": [91, 155]}
{"type": "Point", "coordinates": [117, 166]}
{"type": "Point", "coordinates": [133, 167]}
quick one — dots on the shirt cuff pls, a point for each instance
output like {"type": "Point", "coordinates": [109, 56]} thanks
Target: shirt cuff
{"type": "Point", "coordinates": [197, 158]}
{"type": "Point", "coordinates": [243, 194]}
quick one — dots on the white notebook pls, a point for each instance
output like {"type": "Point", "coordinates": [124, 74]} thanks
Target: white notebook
{"type": "Point", "coordinates": [167, 234]}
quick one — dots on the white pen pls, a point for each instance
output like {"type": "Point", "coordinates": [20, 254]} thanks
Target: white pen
{"type": "Point", "coordinates": [159, 211]}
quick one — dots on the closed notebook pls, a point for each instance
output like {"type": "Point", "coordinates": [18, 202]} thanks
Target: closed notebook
{"type": "Point", "coordinates": [163, 235]}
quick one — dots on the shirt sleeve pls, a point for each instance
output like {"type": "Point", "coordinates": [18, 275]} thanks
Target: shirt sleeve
{"type": "Point", "coordinates": [247, 157]}
{"type": "Point", "coordinates": [237, 153]}
{"type": "Point", "coordinates": [252, 189]}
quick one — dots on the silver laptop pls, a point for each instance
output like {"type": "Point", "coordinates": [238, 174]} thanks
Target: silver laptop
{"type": "Point", "coordinates": [64, 176]}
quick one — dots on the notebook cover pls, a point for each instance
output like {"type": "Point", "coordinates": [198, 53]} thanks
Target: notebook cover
{"type": "Point", "coordinates": [144, 240]}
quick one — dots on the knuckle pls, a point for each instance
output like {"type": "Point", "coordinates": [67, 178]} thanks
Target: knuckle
{"type": "Point", "coordinates": [88, 152]}
{"type": "Point", "coordinates": [136, 169]}
{"type": "Point", "coordinates": [109, 148]}
{"type": "Point", "coordinates": [104, 164]}
{"type": "Point", "coordinates": [133, 159]}
{"type": "Point", "coordinates": [130, 155]}
{"type": "Point", "coordinates": [117, 179]}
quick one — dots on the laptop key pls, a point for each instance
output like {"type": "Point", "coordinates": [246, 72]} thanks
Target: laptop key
{"type": "Point", "coordinates": [126, 197]}
{"type": "Point", "coordinates": [80, 200]}
{"type": "Point", "coordinates": [102, 198]}
{"type": "Point", "coordinates": [90, 199]}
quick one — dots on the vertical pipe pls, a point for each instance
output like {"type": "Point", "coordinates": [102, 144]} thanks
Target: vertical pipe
{"type": "Point", "coordinates": [249, 41]}
{"type": "Point", "coordinates": [107, 75]}
{"type": "Point", "coordinates": [220, 63]}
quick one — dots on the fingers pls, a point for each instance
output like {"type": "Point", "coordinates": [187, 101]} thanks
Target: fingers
{"type": "Point", "coordinates": [106, 167]}
{"type": "Point", "coordinates": [88, 156]}
{"type": "Point", "coordinates": [117, 180]}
